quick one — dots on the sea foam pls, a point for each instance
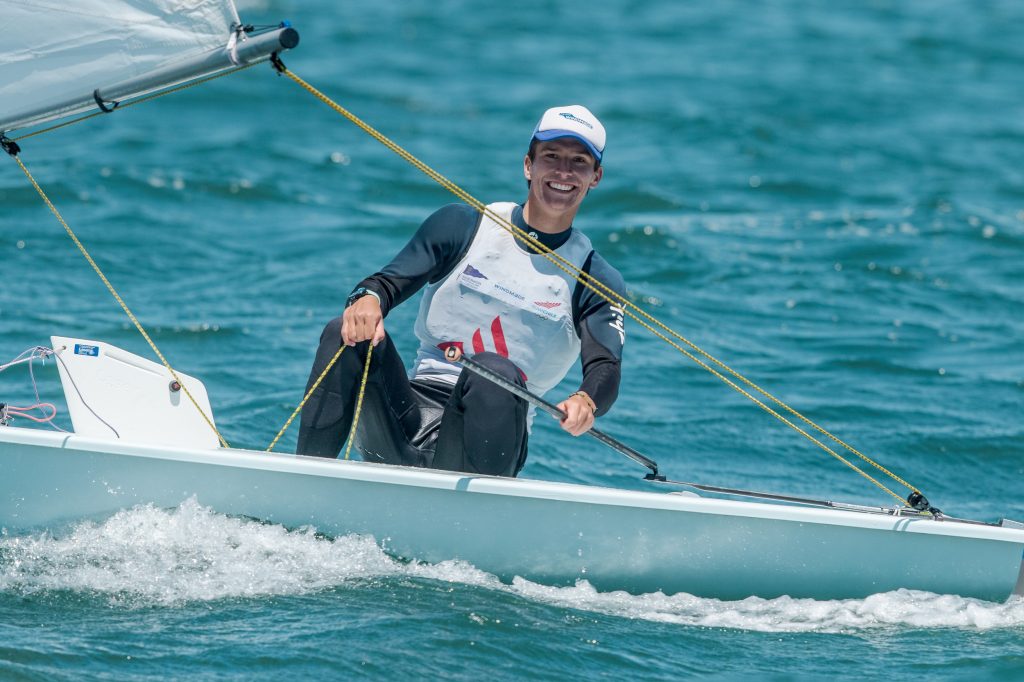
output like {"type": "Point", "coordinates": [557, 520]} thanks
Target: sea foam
{"type": "Point", "coordinates": [148, 556]}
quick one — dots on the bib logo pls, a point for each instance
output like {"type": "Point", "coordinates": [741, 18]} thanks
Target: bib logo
{"type": "Point", "coordinates": [513, 294]}
{"type": "Point", "coordinates": [497, 334]}
{"type": "Point", "coordinates": [472, 278]}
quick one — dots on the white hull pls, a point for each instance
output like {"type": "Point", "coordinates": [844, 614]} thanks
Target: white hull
{"type": "Point", "coordinates": [550, 533]}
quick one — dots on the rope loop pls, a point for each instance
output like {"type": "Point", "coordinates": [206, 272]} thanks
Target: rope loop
{"type": "Point", "coordinates": [359, 400]}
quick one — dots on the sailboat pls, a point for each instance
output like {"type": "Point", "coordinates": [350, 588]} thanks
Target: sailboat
{"type": "Point", "coordinates": [145, 433]}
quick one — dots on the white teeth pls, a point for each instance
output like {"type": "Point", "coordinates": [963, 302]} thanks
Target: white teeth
{"type": "Point", "coordinates": [560, 186]}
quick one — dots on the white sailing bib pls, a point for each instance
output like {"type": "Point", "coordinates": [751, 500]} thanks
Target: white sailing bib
{"type": "Point", "coordinates": [503, 299]}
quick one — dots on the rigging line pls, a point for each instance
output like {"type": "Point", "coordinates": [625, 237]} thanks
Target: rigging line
{"type": "Point", "coordinates": [599, 288]}
{"type": "Point", "coordinates": [609, 295]}
{"type": "Point", "coordinates": [117, 297]}
{"type": "Point", "coordinates": [34, 353]}
{"type": "Point", "coordinates": [20, 359]}
{"type": "Point", "coordinates": [359, 400]}
{"type": "Point", "coordinates": [146, 98]}
{"type": "Point", "coordinates": [74, 384]}
{"type": "Point", "coordinates": [302, 404]}
{"type": "Point", "coordinates": [627, 307]}
{"type": "Point", "coordinates": [42, 353]}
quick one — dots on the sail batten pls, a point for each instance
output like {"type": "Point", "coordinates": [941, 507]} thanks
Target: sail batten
{"type": "Point", "coordinates": [56, 56]}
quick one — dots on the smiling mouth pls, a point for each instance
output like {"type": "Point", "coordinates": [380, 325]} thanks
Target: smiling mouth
{"type": "Point", "coordinates": [561, 187]}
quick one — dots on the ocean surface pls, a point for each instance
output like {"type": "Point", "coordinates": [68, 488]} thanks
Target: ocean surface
{"type": "Point", "coordinates": [829, 197]}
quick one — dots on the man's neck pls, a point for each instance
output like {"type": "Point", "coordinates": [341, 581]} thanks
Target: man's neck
{"type": "Point", "coordinates": [543, 221]}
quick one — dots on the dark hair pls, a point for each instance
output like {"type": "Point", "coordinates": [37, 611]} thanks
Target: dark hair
{"type": "Point", "coordinates": [532, 153]}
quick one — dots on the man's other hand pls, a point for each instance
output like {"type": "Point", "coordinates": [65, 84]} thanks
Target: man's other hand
{"type": "Point", "coordinates": [579, 414]}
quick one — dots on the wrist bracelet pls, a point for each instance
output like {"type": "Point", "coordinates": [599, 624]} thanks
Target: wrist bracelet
{"type": "Point", "coordinates": [590, 401]}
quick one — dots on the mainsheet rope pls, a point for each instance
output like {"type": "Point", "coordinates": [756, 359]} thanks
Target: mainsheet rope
{"type": "Point", "coordinates": [117, 297]}
{"type": "Point", "coordinates": [10, 146]}
{"type": "Point", "coordinates": [302, 403]}
{"type": "Point", "coordinates": [628, 307]}
{"type": "Point", "coordinates": [13, 150]}
{"type": "Point", "coordinates": [319, 379]}
{"type": "Point", "coordinates": [359, 400]}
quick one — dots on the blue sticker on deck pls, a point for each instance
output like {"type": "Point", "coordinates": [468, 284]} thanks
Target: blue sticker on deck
{"type": "Point", "coordinates": [82, 349]}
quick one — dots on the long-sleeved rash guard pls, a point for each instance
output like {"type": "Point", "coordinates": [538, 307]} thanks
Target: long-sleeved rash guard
{"type": "Point", "coordinates": [442, 241]}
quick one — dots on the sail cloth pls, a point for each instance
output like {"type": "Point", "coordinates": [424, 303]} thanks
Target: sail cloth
{"type": "Point", "coordinates": [56, 53]}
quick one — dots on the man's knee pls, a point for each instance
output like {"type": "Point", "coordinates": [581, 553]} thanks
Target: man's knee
{"type": "Point", "coordinates": [490, 408]}
{"type": "Point", "coordinates": [332, 332]}
{"type": "Point", "coordinates": [485, 399]}
{"type": "Point", "coordinates": [501, 366]}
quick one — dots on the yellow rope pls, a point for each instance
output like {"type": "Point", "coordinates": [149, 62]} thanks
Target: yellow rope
{"type": "Point", "coordinates": [359, 400]}
{"type": "Point", "coordinates": [118, 298]}
{"type": "Point", "coordinates": [306, 397]}
{"type": "Point", "coordinates": [82, 248]}
{"type": "Point", "coordinates": [614, 298]}
{"type": "Point", "coordinates": [323, 374]}
{"type": "Point", "coordinates": [628, 307]}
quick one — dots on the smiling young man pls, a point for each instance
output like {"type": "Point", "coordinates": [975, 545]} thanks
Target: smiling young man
{"type": "Point", "coordinates": [496, 298]}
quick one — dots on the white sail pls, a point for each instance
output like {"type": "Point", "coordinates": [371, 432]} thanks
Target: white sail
{"type": "Point", "coordinates": [56, 54]}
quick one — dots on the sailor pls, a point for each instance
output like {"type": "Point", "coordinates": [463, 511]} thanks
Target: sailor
{"type": "Point", "coordinates": [497, 299]}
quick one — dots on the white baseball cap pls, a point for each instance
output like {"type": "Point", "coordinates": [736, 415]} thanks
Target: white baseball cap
{"type": "Point", "coordinates": [572, 121]}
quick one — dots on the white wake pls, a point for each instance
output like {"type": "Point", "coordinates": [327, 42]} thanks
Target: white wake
{"type": "Point", "coordinates": [148, 556]}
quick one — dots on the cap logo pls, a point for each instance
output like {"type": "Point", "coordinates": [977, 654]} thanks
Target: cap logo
{"type": "Point", "coordinates": [569, 116]}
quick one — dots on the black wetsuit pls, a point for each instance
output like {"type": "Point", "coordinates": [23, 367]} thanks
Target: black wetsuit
{"type": "Point", "coordinates": [473, 426]}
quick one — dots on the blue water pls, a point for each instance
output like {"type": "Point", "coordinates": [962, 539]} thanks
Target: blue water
{"type": "Point", "coordinates": [827, 196]}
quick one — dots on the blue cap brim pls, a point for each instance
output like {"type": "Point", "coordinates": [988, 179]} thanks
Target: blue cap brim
{"type": "Point", "coordinates": [554, 134]}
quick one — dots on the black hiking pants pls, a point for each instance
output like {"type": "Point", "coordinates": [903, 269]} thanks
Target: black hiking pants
{"type": "Point", "coordinates": [476, 426]}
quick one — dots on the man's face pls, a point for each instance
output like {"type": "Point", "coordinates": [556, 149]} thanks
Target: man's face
{"type": "Point", "coordinates": [560, 174]}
